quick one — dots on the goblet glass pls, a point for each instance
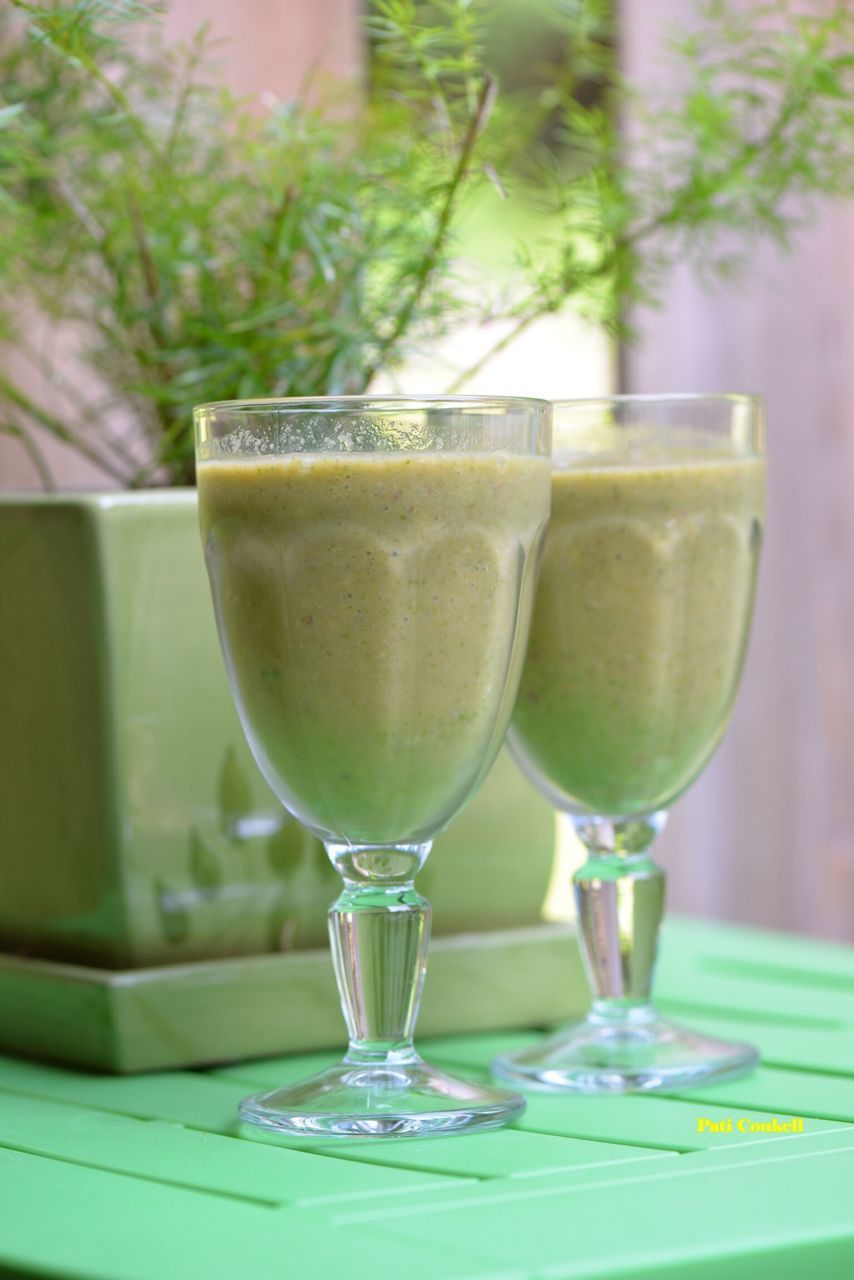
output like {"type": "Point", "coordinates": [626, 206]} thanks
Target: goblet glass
{"type": "Point", "coordinates": [637, 643]}
{"type": "Point", "coordinates": [372, 563]}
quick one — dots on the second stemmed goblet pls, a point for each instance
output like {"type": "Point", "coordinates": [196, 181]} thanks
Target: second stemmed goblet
{"type": "Point", "coordinates": [637, 642]}
{"type": "Point", "coordinates": [372, 563]}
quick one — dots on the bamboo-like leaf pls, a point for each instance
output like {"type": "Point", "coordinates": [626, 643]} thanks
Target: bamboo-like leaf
{"type": "Point", "coordinates": [204, 866]}
{"type": "Point", "coordinates": [234, 794]}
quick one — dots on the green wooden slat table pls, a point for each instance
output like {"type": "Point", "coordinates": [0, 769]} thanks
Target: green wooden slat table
{"type": "Point", "coordinates": [147, 1178]}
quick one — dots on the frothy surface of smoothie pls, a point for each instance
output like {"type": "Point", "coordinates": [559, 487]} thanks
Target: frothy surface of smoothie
{"type": "Point", "coordinates": [640, 626]}
{"type": "Point", "coordinates": [373, 611]}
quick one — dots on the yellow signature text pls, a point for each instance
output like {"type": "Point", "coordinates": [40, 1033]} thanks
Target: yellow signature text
{"type": "Point", "coordinates": [743, 1124]}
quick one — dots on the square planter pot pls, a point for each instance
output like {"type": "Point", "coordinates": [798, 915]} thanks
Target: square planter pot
{"type": "Point", "coordinates": [214, 1011]}
{"type": "Point", "coordinates": [135, 829]}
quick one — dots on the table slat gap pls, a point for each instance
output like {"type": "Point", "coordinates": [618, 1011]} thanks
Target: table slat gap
{"type": "Point", "coordinates": [683, 1007]}
{"type": "Point", "coordinates": [177, 1184]}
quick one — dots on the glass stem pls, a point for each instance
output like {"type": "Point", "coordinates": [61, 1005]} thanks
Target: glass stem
{"type": "Point", "coordinates": [619, 896]}
{"type": "Point", "coordinates": [379, 929]}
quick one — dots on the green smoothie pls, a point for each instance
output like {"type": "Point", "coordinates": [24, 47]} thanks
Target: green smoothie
{"type": "Point", "coordinates": [373, 611]}
{"type": "Point", "coordinates": [640, 626]}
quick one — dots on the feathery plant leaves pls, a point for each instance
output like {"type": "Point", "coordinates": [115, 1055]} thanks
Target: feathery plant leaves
{"type": "Point", "coordinates": [205, 251]}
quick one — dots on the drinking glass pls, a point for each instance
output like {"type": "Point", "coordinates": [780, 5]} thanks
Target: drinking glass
{"type": "Point", "coordinates": [637, 643]}
{"type": "Point", "coordinates": [372, 564]}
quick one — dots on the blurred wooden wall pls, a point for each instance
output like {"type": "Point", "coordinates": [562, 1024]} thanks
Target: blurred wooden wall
{"type": "Point", "coordinates": [268, 47]}
{"type": "Point", "coordinates": [767, 835]}
{"type": "Point", "coordinates": [272, 44]}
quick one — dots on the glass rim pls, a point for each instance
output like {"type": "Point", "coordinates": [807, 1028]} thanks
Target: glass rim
{"type": "Point", "coordinates": [374, 403]}
{"type": "Point", "coordinates": [752, 398]}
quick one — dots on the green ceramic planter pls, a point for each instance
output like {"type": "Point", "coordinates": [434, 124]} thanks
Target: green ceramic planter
{"type": "Point", "coordinates": [134, 826]}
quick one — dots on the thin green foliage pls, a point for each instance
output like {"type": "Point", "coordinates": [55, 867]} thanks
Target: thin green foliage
{"type": "Point", "coordinates": [201, 249]}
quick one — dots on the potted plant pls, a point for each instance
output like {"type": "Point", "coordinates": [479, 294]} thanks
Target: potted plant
{"type": "Point", "coordinates": [191, 249]}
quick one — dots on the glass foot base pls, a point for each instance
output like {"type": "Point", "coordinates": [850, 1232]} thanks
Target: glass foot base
{"type": "Point", "coordinates": [625, 1054]}
{"type": "Point", "coordinates": [388, 1100]}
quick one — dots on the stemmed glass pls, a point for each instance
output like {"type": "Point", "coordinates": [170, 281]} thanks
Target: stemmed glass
{"type": "Point", "coordinates": [637, 642]}
{"type": "Point", "coordinates": [372, 563]}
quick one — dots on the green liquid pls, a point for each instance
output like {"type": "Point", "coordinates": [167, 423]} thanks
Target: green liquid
{"type": "Point", "coordinates": [373, 612]}
{"type": "Point", "coordinates": [639, 628]}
